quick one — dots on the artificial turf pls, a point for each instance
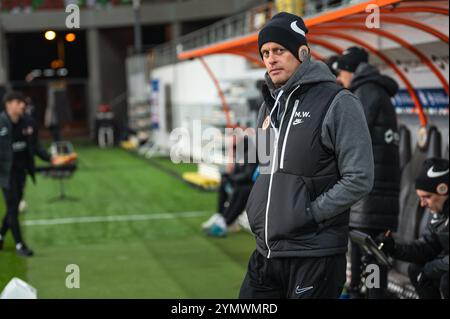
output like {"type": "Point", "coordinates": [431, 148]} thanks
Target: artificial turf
{"type": "Point", "coordinates": [164, 257]}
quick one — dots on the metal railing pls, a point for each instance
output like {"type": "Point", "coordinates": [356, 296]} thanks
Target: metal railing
{"type": "Point", "coordinates": [33, 5]}
{"type": "Point", "coordinates": [235, 26]}
{"type": "Point", "coordinates": [229, 28]}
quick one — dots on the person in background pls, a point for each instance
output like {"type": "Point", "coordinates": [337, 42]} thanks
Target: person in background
{"type": "Point", "coordinates": [428, 254]}
{"type": "Point", "coordinates": [380, 208]}
{"type": "Point", "coordinates": [331, 62]}
{"type": "Point", "coordinates": [41, 152]}
{"type": "Point", "coordinates": [19, 144]}
{"type": "Point", "coordinates": [233, 192]}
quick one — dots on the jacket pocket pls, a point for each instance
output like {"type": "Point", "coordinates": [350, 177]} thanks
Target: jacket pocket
{"type": "Point", "coordinates": [256, 204]}
{"type": "Point", "coordinates": [289, 209]}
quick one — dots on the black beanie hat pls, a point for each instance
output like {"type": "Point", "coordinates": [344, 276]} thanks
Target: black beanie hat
{"type": "Point", "coordinates": [331, 62]}
{"type": "Point", "coordinates": [433, 176]}
{"type": "Point", "coordinates": [285, 29]}
{"type": "Point", "coordinates": [352, 58]}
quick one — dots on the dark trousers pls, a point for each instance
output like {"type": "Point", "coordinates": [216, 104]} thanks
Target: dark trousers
{"type": "Point", "coordinates": [357, 270]}
{"type": "Point", "coordinates": [294, 278]}
{"type": "Point", "coordinates": [236, 200]}
{"type": "Point", "coordinates": [223, 196]}
{"type": "Point", "coordinates": [13, 195]}
{"type": "Point", "coordinates": [428, 288]}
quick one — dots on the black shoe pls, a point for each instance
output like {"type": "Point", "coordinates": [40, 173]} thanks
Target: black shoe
{"type": "Point", "coordinates": [23, 250]}
{"type": "Point", "coordinates": [1, 244]}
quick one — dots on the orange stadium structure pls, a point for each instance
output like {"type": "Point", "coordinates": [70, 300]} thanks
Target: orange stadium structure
{"type": "Point", "coordinates": [400, 19]}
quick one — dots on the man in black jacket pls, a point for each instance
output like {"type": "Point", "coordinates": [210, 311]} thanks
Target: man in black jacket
{"type": "Point", "coordinates": [320, 163]}
{"type": "Point", "coordinates": [380, 208]}
{"type": "Point", "coordinates": [18, 146]}
{"type": "Point", "coordinates": [429, 254]}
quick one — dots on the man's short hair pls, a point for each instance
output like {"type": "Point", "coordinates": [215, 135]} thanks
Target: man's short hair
{"type": "Point", "coordinates": [14, 95]}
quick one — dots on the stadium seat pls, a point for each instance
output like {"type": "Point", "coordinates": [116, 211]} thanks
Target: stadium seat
{"type": "Point", "coordinates": [64, 165]}
{"type": "Point", "coordinates": [200, 180]}
{"type": "Point", "coordinates": [446, 150]}
{"type": "Point", "coordinates": [434, 148]}
{"type": "Point", "coordinates": [405, 147]}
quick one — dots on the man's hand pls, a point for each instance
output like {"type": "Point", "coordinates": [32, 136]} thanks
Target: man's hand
{"type": "Point", "coordinates": [386, 242]}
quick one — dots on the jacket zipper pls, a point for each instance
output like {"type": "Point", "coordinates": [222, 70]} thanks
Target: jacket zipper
{"type": "Point", "coordinates": [277, 135]}
{"type": "Point", "coordinates": [287, 135]}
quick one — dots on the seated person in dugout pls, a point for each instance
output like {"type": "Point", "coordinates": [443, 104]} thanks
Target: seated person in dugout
{"type": "Point", "coordinates": [233, 192]}
{"type": "Point", "coordinates": [428, 254]}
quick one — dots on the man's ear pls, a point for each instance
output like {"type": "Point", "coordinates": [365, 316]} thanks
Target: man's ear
{"type": "Point", "coordinates": [303, 53]}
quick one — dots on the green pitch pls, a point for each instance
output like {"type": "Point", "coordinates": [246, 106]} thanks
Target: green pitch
{"type": "Point", "coordinates": [134, 231]}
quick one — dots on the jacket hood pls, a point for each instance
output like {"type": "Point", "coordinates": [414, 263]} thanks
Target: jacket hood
{"type": "Point", "coordinates": [367, 73]}
{"type": "Point", "coordinates": [307, 73]}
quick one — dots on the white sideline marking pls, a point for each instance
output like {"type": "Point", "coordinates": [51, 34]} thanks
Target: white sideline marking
{"type": "Point", "coordinates": [118, 218]}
